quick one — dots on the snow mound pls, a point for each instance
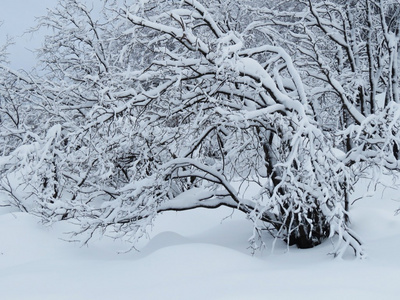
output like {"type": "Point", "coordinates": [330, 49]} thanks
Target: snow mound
{"type": "Point", "coordinates": [195, 255]}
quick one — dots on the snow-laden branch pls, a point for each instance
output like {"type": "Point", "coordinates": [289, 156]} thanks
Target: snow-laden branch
{"type": "Point", "coordinates": [175, 105]}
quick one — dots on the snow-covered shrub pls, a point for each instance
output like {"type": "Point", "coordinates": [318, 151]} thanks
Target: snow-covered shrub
{"type": "Point", "coordinates": [175, 105]}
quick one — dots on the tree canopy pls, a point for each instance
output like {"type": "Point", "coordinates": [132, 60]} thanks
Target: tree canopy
{"type": "Point", "coordinates": [272, 109]}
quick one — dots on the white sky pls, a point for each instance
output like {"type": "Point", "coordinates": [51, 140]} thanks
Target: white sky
{"type": "Point", "coordinates": [17, 16]}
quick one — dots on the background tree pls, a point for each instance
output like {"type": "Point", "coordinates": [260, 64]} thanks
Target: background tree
{"type": "Point", "coordinates": [17, 125]}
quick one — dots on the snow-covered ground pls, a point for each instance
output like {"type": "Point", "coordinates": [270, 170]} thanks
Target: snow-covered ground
{"type": "Point", "coordinates": [197, 255]}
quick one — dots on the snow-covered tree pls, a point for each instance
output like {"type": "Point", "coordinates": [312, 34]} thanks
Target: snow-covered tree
{"type": "Point", "coordinates": [347, 54]}
{"type": "Point", "coordinates": [174, 105]}
{"type": "Point", "coordinates": [17, 124]}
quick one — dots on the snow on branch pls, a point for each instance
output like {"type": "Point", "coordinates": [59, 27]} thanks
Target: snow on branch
{"type": "Point", "coordinates": [175, 105]}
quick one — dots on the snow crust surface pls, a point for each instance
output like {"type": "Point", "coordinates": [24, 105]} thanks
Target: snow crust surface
{"type": "Point", "coordinates": [199, 254]}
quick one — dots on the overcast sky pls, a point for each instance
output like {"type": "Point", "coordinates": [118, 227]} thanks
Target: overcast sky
{"type": "Point", "coordinates": [17, 16]}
